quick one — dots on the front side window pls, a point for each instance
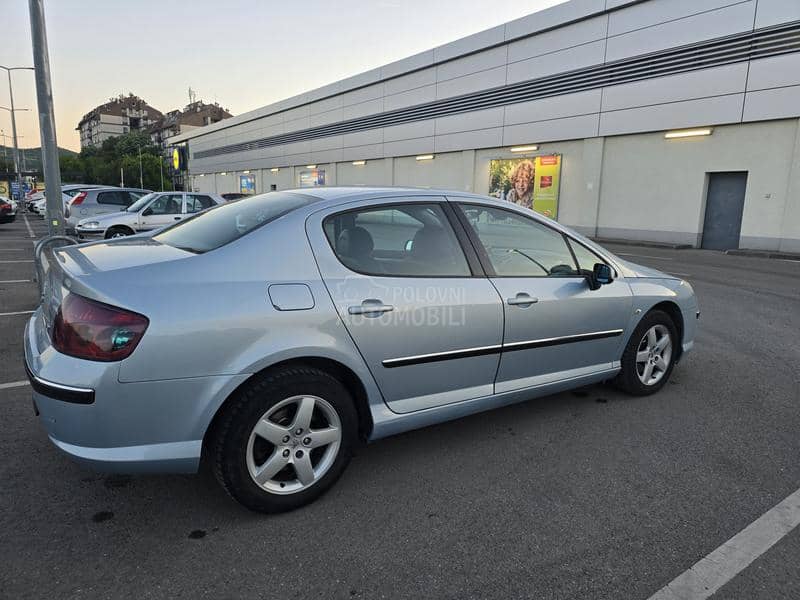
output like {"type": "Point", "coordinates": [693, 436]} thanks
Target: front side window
{"type": "Point", "coordinates": [412, 240]}
{"type": "Point", "coordinates": [166, 205]}
{"type": "Point", "coordinates": [137, 206]}
{"type": "Point", "coordinates": [518, 246]}
{"type": "Point", "coordinates": [586, 258]}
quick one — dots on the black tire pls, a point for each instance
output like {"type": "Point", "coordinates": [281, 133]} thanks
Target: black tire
{"type": "Point", "coordinates": [628, 378]}
{"type": "Point", "coordinates": [228, 448]}
{"type": "Point", "coordinates": [114, 231]}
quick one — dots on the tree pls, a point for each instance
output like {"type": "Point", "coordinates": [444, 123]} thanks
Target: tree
{"type": "Point", "coordinates": [101, 165]}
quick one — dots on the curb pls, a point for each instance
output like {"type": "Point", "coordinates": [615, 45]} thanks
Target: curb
{"type": "Point", "coordinates": [642, 243]}
{"type": "Point", "coordinates": [763, 254]}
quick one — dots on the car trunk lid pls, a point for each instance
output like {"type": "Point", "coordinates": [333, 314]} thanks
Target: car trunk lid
{"type": "Point", "coordinates": [80, 269]}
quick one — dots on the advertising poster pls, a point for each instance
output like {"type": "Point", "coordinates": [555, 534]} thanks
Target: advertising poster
{"type": "Point", "coordinates": [312, 178]}
{"type": "Point", "coordinates": [4, 190]}
{"type": "Point", "coordinates": [530, 182]}
{"type": "Point", "coordinates": [247, 184]}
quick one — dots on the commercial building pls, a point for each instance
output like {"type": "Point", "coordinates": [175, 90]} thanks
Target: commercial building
{"type": "Point", "coordinates": [118, 116]}
{"type": "Point", "coordinates": [663, 120]}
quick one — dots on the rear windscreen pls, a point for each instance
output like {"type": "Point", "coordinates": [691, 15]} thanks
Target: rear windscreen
{"type": "Point", "coordinates": [223, 224]}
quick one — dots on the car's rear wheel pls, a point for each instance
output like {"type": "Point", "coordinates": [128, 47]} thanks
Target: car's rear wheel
{"type": "Point", "coordinates": [649, 357]}
{"type": "Point", "coordinates": [284, 439]}
{"type": "Point", "coordinates": [118, 232]}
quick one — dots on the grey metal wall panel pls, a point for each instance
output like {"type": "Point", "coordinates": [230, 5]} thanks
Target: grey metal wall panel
{"type": "Point", "coordinates": [576, 34]}
{"type": "Point", "coordinates": [656, 12]}
{"type": "Point", "coordinates": [690, 113]}
{"type": "Point", "coordinates": [579, 103]}
{"type": "Point", "coordinates": [774, 12]}
{"type": "Point", "coordinates": [571, 128]}
{"type": "Point", "coordinates": [557, 62]}
{"type": "Point", "coordinates": [685, 86]}
{"type": "Point", "coordinates": [481, 61]}
{"type": "Point", "coordinates": [708, 25]}
{"type": "Point", "coordinates": [777, 103]}
{"type": "Point", "coordinates": [777, 71]}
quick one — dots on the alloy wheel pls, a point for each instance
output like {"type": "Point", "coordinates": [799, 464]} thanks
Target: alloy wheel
{"type": "Point", "coordinates": [654, 355]}
{"type": "Point", "coordinates": [294, 444]}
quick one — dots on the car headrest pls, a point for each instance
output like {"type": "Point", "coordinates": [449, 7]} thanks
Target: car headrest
{"type": "Point", "coordinates": [355, 242]}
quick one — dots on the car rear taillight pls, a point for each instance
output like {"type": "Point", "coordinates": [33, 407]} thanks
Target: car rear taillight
{"type": "Point", "coordinates": [78, 199]}
{"type": "Point", "coordinates": [92, 330]}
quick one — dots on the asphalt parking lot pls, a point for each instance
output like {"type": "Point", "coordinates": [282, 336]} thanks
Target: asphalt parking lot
{"type": "Point", "coordinates": [587, 494]}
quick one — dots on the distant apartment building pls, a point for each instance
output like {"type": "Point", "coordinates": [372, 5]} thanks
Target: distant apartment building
{"type": "Point", "coordinates": [194, 115]}
{"type": "Point", "coordinates": [118, 116]}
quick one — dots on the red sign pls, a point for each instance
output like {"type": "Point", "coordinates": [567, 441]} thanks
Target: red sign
{"type": "Point", "coordinates": [546, 181]}
{"type": "Point", "coordinates": [549, 160]}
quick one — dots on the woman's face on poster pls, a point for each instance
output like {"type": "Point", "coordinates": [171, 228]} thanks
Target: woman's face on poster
{"type": "Point", "coordinates": [523, 183]}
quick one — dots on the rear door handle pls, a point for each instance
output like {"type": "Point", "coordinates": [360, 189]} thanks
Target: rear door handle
{"type": "Point", "coordinates": [522, 299]}
{"type": "Point", "coordinates": [177, 218]}
{"type": "Point", "coordinates": [370, 308]}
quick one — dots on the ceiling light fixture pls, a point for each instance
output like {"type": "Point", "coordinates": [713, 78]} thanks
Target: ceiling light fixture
{"type": "Point", "coordinates": [425, 157]}
{"type": "Point", "coordinates": [531, 148]}
{"type": "Point", "coordinates": [685, 133]}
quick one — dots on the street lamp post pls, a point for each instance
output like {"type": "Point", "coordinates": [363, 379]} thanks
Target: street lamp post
{"type": "Point", "coordinates": [12, 110]}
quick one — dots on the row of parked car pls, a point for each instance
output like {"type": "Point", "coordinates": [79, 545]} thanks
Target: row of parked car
{"type": "Point", "coordinates": [97, 212]}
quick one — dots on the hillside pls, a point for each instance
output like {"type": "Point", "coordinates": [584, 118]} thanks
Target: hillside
{"type": "Point", "coordinates": [32, 157]}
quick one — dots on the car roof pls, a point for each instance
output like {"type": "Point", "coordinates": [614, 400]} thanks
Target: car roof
{"type": "Point", "coordinates": [331, 196]}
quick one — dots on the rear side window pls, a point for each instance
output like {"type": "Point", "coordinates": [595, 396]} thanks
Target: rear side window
{"type": "Point", "coordinates": [413, 240]}
{"type": "Point", "coordinates": [113, 197]}
{"type": "Point", "coordinates": [197, 202]}
{"type": "Point", "coordinates": [227, 222]}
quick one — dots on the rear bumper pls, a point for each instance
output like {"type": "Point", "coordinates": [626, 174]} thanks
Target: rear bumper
{"type": "Point", "coordinates": [171, 457]}
{"type": "Point", "coordinates": [144, 427]}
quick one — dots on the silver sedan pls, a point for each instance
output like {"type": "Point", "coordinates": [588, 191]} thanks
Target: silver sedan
{"type": "Point", "coordinates": [270, 336]}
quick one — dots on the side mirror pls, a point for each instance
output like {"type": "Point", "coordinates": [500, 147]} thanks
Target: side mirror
{"type": "Point", "coordinates": [147, 212]}
{"type": "Point", "coordinates": [601, 275]}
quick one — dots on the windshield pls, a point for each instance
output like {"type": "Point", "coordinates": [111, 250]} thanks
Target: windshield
{"type": "Point", "coordinates": [137, 206]}
{"type": "Point", "coordinates": [218, 226]}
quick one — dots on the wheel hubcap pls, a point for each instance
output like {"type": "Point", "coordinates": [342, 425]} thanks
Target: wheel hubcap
{"type": "Point", "coordinates": [654, 355]}
{"type": "Point", "coordinates": [294, 444]}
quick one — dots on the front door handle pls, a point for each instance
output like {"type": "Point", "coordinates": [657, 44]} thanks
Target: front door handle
{"type": "Point", "coordinates": [177, 218]}
{"type": "Point", "coordinates": [370, 308]}
{"type": "Point", "coordinates": [522, 299]}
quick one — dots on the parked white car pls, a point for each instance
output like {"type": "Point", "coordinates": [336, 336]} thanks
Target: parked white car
{"type": "Point", "coordinates": [150, 212]}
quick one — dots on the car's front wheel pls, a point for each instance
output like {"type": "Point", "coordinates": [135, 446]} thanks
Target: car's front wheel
{"type": "Point", "coordinates": [650, 355]}
{"type": "Point", "coordinates": [284, 439]}
{"type": "Point", "coordinates": [118, 232]}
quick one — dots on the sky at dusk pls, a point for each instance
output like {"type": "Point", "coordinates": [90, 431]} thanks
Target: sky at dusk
{"type": "Point", "coordinates": [242, 54]}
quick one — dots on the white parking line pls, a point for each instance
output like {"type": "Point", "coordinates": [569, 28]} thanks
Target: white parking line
{"type": "Point", "coordinates": [19, 312]}
{"type": "Point", "coordinates": [13, 384]}
{"type": "Point", "coordinates": [709, 574]}
{"type": "Point", "coordinates": [28, 225]}
{"type": "Point", "coordinates": [17, 281]}
{"type": "Point", "coordinates": [13, 249]}
{"type": "Point", "coordinates": [8, 262]}
{"type": "Point", "coordinates": [644, 256]}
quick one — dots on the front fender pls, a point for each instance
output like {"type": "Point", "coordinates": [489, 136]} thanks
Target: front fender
{"type": "Point", "coordinates": [649, 292]}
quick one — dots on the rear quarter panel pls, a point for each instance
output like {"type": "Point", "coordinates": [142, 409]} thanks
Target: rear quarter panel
{"type": "Point", "coordinates": [211, 314]}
